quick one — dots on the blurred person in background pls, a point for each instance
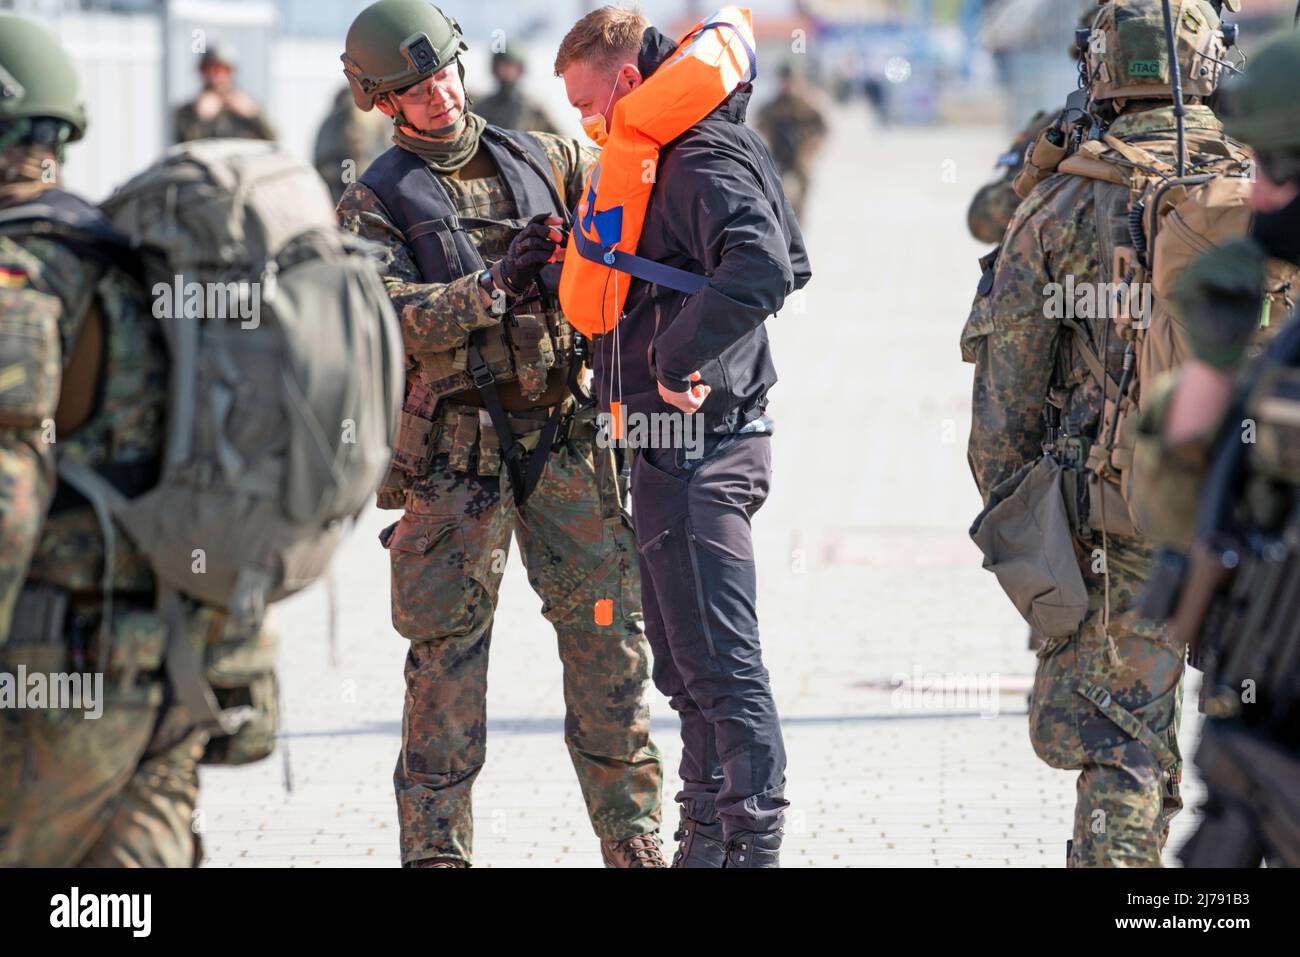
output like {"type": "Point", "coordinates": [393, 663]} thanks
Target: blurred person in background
{"type": "Point", "coordinates": [795, 130]}
{"type": "Point", "coordinates": [348, 142]}
{"type": "Point", "coordinates": [509, 107]}
{"type": "Point", "coordinates": [221, 110]}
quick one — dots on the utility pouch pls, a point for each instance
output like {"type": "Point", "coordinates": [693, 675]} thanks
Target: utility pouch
{"type": "Point", "coordinates": [392, 494]}
{"type": "Point", "coordinates": [1027, 539]}
{"type": "Point", "coordinates": [533, 354]}
{"type": "Point", "coordinates": [241, 671]}
{"type": "Point", "coordinates": [1041, 161]}
{"type": "Point", "coordinates": [1107, 508]}
{"type": "Point", "coordinates": [36, 635]}
{"type": "Point", "coordinates": [415, 435]}
{"type": "Point", "coordinates": [29, 366]}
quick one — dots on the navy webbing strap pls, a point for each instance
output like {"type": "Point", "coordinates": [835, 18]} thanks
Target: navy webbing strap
{"type": "Point", "coordinates": [670, 277]}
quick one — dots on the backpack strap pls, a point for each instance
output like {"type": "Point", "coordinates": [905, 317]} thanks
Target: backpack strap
{"type": "Point", "coordinates": [1142, 159]}
{"type": "Point", "coordinates": [104, 499]}
{"type": "Point", "coordinates": [1090, 357]}
{"type": "Point", "coordinates": [184, 668]}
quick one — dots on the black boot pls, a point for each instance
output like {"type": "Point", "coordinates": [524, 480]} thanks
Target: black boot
{"type": "Point", "coordinates": [747, 849]}
{"type": "Point", "coordinates": [699, 845]}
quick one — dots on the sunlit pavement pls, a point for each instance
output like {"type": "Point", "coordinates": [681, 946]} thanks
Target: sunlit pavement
{"type": "Point", "coordinates": [868, 581]}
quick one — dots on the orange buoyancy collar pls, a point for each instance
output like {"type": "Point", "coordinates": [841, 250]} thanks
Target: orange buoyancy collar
{"type": "Point", "coordinates": [712, 59]}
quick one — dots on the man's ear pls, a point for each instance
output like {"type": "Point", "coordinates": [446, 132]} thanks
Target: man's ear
{"type": "Point", "coordinates": [383, 106]}
{"type": "Point", "coordinates": [632, 76]}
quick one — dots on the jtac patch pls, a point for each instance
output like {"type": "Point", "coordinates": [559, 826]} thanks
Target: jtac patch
{"type": "Point", "coordinates": [12, 278]}
{"type": "Point", "coordinates": [1144, 68]}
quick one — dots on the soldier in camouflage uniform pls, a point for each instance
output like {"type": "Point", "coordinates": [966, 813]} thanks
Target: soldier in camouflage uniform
{"type": "Point", "coordinates": [1250, 752]}
{"type": "Point", "coordinates": [220, 110]}
{"type": "Point", "coordinates": [794, 129]}
{"type": "Point", "coordinates": [120, 789]}
{"type": "Point", "coordinates": [1090, 686]}
{"type": "Point", "coordinates": [455, 479]}
{"type": "Point", "coordinates": [509, 107]}
{"type": "Point", "coordinates": [347, 142]}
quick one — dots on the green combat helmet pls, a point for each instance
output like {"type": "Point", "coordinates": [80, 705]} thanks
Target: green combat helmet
{"type": "Point", "coordinates": [37, 79]}
{"type": "Point", "coordinates": [394, 43]}
{"type": "Point", "coordinates": [1262, 107]}
{"type": "Point", "coordinates": [1128, 53]}
{"type": "Point", "coordinates": [511, 54]}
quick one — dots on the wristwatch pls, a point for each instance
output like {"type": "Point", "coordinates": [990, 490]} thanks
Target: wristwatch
{"type": "Point", "coordinates": [500, 300]}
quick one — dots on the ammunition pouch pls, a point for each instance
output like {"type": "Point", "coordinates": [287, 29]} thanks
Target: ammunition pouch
{"type": "Point", "coordinates": [469, 438]}
{"type": "Point", "coordinates": [534, 339]}
{"type": "Point", "coordinates": [1027, 536]}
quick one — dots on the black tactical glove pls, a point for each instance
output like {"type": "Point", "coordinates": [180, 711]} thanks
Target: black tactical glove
{"type": "Point", "coordinates": [1220, 298]}
{"type": "Point", "coordinates": [530, 250]}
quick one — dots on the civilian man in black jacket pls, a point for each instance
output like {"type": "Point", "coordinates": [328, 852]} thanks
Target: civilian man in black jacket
{"type": "Point", "coordinates": [717, 210]}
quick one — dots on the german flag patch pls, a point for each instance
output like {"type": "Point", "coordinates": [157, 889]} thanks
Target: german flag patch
{"type": "Point", "coordinates": [11, 278]}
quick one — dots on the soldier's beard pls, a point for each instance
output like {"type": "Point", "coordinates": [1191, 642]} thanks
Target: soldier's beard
{"type": "Point", "coordinates": [1279, 232]}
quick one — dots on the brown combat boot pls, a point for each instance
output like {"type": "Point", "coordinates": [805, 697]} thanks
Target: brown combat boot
{"type": "Point", "coordinates": [640, 851]}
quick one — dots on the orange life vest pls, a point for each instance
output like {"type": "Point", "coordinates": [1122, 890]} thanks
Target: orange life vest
{"type": "Point", "coordinates": [712, 59]}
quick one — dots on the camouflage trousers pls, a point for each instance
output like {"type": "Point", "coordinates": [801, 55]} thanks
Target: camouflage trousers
{"type": "Point", "coordinates": [1106, 701]}
{"type": "Point", "coordinates": [116, 790]}
{"type": "Point", "coordinates": [448, 554]}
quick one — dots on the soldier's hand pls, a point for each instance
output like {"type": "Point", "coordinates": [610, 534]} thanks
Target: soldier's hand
{"type": "Point", "coordinates": [532, 248]}
{"type": "Point", "coordinates": [241, 103]}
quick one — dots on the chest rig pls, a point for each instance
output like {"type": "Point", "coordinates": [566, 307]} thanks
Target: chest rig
{"type": "Point", "coordinates": [532, 351]}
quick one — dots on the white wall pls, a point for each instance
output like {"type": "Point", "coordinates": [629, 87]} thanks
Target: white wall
{"type": "Point", "coordinates": [118, 59]}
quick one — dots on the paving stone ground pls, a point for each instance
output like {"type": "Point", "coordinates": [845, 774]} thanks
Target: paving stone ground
{"type": "Point", "coordinates": [866, 576]}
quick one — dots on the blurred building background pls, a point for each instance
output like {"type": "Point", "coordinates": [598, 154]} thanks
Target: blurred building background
{"type": "Point", "coordinates": [915, 61]}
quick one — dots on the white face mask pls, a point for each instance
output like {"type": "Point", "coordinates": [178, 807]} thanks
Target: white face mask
{"type": "Point", "coordinates": [595, 126]}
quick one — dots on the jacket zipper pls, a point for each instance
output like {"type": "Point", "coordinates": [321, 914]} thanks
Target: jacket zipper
{"type": "Point", "coordinates": [699, 592]}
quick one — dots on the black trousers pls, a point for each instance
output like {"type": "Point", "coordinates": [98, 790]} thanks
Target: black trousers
{"type": "Point", "coordinates": [699, 593]}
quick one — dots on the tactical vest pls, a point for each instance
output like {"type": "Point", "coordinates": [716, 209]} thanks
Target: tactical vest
{"type": "Point", "coordinates": [420, 205]}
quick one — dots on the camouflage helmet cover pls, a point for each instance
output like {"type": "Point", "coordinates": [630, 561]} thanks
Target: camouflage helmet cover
{"type": "Point", "coordinates": [394, 43]}
{"type": "Point", "coordinates": [1128, 52]}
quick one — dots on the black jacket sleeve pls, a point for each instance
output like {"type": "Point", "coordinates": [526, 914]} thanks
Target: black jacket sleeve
{"type": "Point", "coordinates": [723, 219]}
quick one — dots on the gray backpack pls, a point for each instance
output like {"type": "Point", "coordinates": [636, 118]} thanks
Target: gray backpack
{"type": "Point", "coordinates": [286, 386]}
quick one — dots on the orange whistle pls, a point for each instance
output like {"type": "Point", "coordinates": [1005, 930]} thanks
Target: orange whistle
{"type": "Point", "coordinates": [605, 612]}
{"type": "Point", "coordinates": [618, 421]}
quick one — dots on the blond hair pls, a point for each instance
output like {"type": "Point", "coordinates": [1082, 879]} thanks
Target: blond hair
{"type": "Point", "coordinates": [607, 37]}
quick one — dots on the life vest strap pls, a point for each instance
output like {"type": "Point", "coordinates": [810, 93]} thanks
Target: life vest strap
{"type": "Point", "coordinates": [753, 57]}
{"type": "Point", "coordinates": [639, 267]}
